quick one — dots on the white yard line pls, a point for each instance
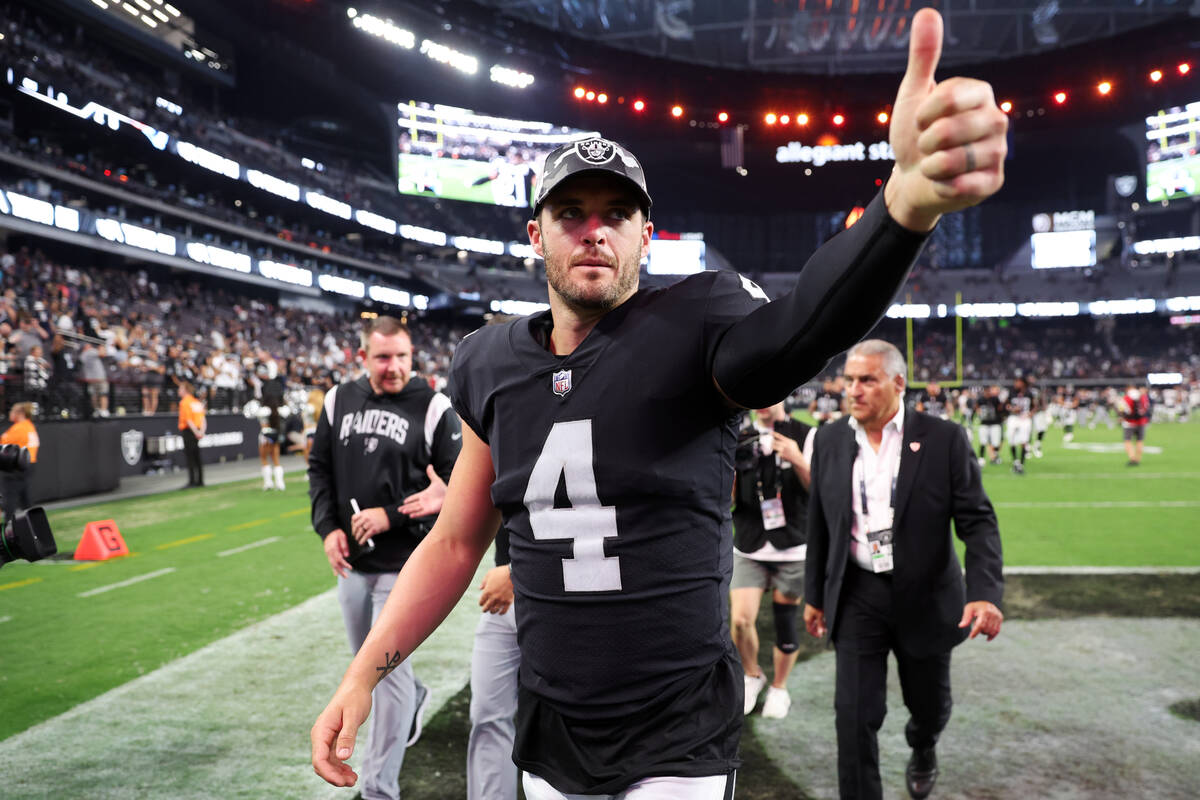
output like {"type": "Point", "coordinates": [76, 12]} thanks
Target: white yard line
{"type": "Point", "coordinates": [130, 582]}
{"type": "Point", "coordinates": [251, 546]}
{"type": "Point", "coordinates": [5, 619]}
{"type": "Point", "coordinates": [1102, 570]}
{"type": "Point", "coordinates": [1101, 504]}
{"type": "Point", "coordinates": [1062, 476]}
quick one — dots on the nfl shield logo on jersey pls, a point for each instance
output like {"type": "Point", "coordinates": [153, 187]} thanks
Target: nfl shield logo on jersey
{"type": "Point", "coordinates": [562, 382]}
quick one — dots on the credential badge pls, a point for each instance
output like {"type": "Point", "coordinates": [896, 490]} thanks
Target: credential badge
{"type": "Point", "coordinates": [561, 382]}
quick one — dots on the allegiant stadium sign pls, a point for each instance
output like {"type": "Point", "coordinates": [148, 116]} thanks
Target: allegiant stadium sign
{"type": "Point", "coordinates": [821, 154]}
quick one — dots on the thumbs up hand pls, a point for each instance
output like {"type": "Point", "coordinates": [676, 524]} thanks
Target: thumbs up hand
{"type": "Point", "coordinates": [949, 137]}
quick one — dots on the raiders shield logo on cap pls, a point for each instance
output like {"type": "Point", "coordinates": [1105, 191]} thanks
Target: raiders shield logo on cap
{"type": "Point", "coordinates": [595, 151]}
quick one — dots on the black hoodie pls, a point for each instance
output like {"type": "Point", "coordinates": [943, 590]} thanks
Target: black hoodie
{"type": "Point", "coordinates": [374, 448]}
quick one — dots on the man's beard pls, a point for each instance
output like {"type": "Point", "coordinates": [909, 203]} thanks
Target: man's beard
{"type": "Point", "coordinates": [583, 296]}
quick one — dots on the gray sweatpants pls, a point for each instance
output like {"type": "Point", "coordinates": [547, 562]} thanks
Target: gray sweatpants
{"type": "Point", "coordinates": [495, 659]}
{"type": "Point", "coordinates": [361, 596]}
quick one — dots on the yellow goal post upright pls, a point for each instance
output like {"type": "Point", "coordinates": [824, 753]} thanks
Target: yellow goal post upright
{"type": "Point", "coordinates": [910, 347]}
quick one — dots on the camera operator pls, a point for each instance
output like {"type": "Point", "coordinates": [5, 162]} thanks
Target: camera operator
{"type": "Point", "coordinates": [769, 516]}
{"type": "Point", "coordinates": [15, 484]}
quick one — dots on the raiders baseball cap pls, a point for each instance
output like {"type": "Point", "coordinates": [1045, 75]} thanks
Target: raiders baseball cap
{"type": "Point", "coordinates": [591, 155]}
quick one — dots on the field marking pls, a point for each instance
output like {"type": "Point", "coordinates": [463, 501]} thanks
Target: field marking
{"type": "Point", "coordinates": [18, 584]}
{"type": "Point", "coordinates": [295, 513]}
{"type": "Point", "coordinates": [130, 582]}
{"type": "Point", "coordinates": [88, 565]}
{"type": "Point", "coordinates": [1109, 475]}
{"type": "Point", "coordinates": [1102, 504]}
{"type": "Point", "coordinates": [1107, 447]}
{"type": "Point", "coordinates": [5, 619]}
{"type": "Point", "coordinates": [250, 546]}
{"type": "Point", "coordinates": [189, 540]}
{"type": "Point", "coordinates": [1102, 570]}
{"type": "Point", "coordinates": [250, 524]}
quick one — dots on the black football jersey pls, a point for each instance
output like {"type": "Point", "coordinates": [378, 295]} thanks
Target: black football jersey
{"type": "Point", "coordinates": [989, 410]}
{"type": "Point", "coordinates": [1020, 402]}
{"type": "Point", "coordinates": [934, 405]}
{"type": "Point", "coordinates": [828, 403]}
{"type": "Point", "coordinates": [614, 468]}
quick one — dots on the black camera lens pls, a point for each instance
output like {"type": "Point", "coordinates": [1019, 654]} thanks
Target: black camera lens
{"type": "Point", "coordinates": [27, 535]}
{"type": "Point", "coordinates": [13, 458]}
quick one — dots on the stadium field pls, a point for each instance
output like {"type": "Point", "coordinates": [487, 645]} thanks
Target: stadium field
{"type": "Point", "coordinates": [195, 666]}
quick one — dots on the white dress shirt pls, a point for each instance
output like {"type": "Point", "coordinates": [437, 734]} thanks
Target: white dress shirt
{"type": "Point", "coordinates": [877, 470]}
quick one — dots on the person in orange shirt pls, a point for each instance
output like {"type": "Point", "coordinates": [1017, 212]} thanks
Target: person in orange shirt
{"type": "Point", "coordinates": [192, 425]}
{"type": "Point", "coordinates": [23, 434]}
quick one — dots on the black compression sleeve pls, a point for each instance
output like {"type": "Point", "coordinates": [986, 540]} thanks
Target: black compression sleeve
{"type": "Point", "coordinates": [841, 294]}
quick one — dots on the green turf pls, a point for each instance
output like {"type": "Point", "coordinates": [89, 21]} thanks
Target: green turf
{"type": "Point", "coordinates": [59, 649]}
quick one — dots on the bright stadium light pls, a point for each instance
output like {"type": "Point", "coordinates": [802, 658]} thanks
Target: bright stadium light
{"type": "Point", "coordinates": [450, 57]}
{"type": "Point", "coordinates": [677, 111]}
{"type": "Point", "coordinates": [384, 29]}
{"type": "Point", "coordinates": [839, 119]}
{"type": "Point", "coordinates": [511, 77]}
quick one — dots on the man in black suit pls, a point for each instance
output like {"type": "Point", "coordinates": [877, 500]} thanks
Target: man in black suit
{"type": "Point", "coordinates": [882, 573]}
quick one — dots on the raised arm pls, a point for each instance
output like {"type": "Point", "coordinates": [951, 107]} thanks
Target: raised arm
{"type": "Point", "coordinates": [949, 140]}
{"type": "Point", "coordinates": [432, 581]}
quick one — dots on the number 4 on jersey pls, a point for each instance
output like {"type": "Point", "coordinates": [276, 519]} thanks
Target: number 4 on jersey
{"type": "Point", "coordinates": [568, 453]}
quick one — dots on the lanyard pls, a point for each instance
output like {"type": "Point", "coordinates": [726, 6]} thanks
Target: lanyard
{"type": "Point", "coordinates": [862, 485]}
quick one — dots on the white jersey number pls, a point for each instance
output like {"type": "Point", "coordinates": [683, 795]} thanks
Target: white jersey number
{"type": "Point", "coordinates": [568, 453]}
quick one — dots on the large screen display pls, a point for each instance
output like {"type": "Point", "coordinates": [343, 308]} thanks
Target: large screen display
{"type": "Point", "coordinates": [1173, 154]}
{"type": "Point", "coordinates": [461, 155]}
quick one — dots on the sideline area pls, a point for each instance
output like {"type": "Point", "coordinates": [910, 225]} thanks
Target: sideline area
{"type": "Point", "coordinates": [1069, 709]}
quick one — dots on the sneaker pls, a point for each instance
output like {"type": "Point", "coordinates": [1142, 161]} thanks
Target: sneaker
{"type": "Point", "coordinates": [777, 703]}
{"type": "Point", "coordinates": [418, 722]}
{"type": "Point", "coordinates": [754, 685]}
{"type": "Point", "coordinates": [982, 461]}
{"type": "Point", "coordinates": [1018, 468]}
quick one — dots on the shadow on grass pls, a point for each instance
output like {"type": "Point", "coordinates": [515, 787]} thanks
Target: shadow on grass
{"type": "Point", "coordinates": [435, 768]}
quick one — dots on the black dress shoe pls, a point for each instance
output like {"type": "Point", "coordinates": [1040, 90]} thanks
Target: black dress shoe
{"type": "Point", "coordinates": [921, 773]}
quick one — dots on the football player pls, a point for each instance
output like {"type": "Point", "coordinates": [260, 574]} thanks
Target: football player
{"type": "Point", "coordinates": [602, 431]}
{"type": "Point", "coordinates": [1019, 424]}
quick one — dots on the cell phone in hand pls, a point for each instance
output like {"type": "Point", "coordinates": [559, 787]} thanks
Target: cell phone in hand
{"type": "Point", "coordinates": [357, 550]}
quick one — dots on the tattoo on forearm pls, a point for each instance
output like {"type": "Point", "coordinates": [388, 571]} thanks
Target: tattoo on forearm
{"type": "Point", "coordinates": [394, 660]}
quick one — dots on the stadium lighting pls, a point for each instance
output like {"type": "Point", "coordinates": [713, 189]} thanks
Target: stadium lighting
{"type": "Point", "coordinates": [579, 92]}
{"type": "Point", "coordinates": [723, 116]}
{"type": "Point", "coordinates": [1156, 76]}
{"type": "Point", "coordinates": [1104, 87]}
{"type": "Point", "coordinates": [1060, 97]}
{"type": "Point", "coordinates": [172, 10]}
{"type": "Point", "coordinates": [384, 29]}
{"type": "Point", "coordinates": [1006, 106]}
{"type": "Point", "coordinates": [770, 118]}
{"type": "Point", "coordinates": [802, 119]}
{"type": "Point", "coordinates": [677, 111]}
{"type": "Point", "coordinates": [784, 119]}
{"type": "Point", "coordinates": [1185, 68]}
{"type": "Point", "coordinates": [352, 12]}
{"type": "Point", "coordinates": [100, 3]}
{"type": "Point", "coordinates": [590, 95]}
{"type": "Point", "coordinates": [449, 56]}
{"type": "Point", "coordinates": [639, 105]}
{"type": "Point", "coordinates": [839, 119]}
{"type": "Point", "coordinates": [602, 98]}
{"type": "Point", "coordinates": [511, 77]}
{"type": "Point", "coordinates": [882, 116]}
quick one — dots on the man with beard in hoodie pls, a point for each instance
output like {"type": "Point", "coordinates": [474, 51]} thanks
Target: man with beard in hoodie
{"type": "Point", "coordinates": [383, 447]}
